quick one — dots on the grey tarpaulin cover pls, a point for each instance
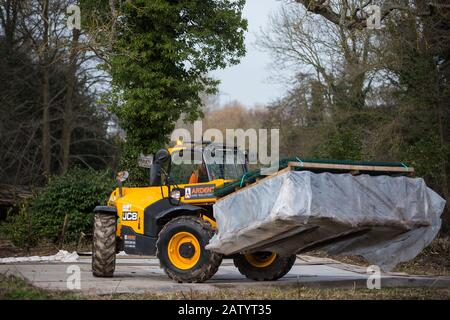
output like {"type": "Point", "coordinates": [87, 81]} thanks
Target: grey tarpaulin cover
{"type": "Point", "coordinates": [385, 219]}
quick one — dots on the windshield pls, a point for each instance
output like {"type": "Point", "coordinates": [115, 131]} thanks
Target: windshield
{"type": "Point", "coordinates": [225, 164]}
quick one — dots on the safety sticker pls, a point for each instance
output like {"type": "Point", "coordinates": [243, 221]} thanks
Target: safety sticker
{"type": "Point", "coordinates": [130, 241]}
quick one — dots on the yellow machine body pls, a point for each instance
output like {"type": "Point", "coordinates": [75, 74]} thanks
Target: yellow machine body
{"type": "Point", "coordinates": [143, 211]}
{"type": "Point", "coordinates": [135, 200]}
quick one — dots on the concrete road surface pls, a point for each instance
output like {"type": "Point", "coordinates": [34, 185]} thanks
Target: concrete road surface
{"type": "Point", "coordinates": [138, 275]}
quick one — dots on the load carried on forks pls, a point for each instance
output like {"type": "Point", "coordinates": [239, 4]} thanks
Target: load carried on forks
{"type": "Point", "coordinates": [376, 211]}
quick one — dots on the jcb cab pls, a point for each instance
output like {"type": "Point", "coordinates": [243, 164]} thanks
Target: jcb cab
{"type": "Point", "coordinates": [173, 218]}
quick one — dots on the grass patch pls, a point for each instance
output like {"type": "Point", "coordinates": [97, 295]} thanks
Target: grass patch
{"type": "Point", "coordinates": [15, 288]}
{"type": "Point", "coordinates": [12, 288]}
{"type": "Point", "coordinates": [300, 293]}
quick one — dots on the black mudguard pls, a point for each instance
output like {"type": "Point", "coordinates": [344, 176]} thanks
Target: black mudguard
{"type": "Point", "coordinates": [108, 210]}
{"type": "Point", "coordinates": [177, 210]}
{"type": "Point", "coordinates": [157, 213]}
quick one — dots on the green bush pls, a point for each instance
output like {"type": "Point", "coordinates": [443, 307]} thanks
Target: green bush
{"type": "Point", "coordinates": [75, 193]}
{"type": "Point", "coordinates": [139, 177]}
{"type": "Point", "coordinates": [341, 145]}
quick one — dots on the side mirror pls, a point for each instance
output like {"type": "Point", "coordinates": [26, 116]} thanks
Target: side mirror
{"type": "Point", "coordinates": [160, 158]}
{"type": "Point", "coordinates": [122, 176]}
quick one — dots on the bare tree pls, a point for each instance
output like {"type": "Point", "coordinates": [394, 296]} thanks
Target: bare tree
{"type": "Point", "coordinates": [9, 13]}
{"type": "Point", "coordinates": [342, 60]}
{"type": "Point", "coordinates": [68, 120]}
{"type": "Point", "coordinates": [50, 115]}
{"type": "Point", "coordinates": [44, 60]}
{"type": "Point", "coordinates": [353, 14]}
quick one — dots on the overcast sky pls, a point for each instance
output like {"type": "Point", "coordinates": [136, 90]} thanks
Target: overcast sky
{"type": "Point", "coordinates": [249, 82]}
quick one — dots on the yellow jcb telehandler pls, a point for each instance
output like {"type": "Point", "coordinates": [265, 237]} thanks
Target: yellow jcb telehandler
{"type": "Point", "coordinates": [173, 218]}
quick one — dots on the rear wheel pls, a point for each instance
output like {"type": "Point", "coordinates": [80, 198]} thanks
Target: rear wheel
{"type": "Point", "coordinates": [263, 266]}
{"type": "Point", "coordinates": [104, 245]}
{"type": "Point", "coordinates": [181, 250]}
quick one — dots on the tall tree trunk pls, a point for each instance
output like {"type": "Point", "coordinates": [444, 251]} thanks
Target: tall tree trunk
{"type": "Point", "coordinates": [66, 137]}
{"type": "Point", "coordinates": [46, 136]}
{"type": "Point", "coordinates": [8, 19]}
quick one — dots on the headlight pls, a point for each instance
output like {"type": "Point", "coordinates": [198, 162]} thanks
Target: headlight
{"type": "Point", "coordinates": [175, 194]}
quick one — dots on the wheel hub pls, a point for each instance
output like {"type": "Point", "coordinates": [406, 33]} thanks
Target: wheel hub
{"type": "Point", "coordinates": [187, 250]}
{"type": "Point", "coordinates": [261, 259]}
{"type": "Point", "coordinates": [184, 250]}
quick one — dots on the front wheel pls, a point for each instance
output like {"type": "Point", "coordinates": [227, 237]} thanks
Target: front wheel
{"type": "Point", "coordinates": [181, 250]}
{"type": "Point", "coordinates": [104, 245]}
{"type": "Point", "coordinates": [263, 266]}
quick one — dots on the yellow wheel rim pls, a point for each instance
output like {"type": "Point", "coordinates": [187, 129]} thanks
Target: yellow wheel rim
{"type": "Point", "coordinates": [261, 259]}
{"type": "Point", "coordinates": [184, 250]}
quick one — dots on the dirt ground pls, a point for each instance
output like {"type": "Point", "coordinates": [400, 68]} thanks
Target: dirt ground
{"type": "Point", "coordinates": [8, 249]}
{"type": "Point", "coordinates": [433, 260]}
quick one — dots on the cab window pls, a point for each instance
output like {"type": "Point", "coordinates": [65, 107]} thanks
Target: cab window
{"type": "Point", "coordinates": [188, 172]}
{"type": "Point", "coordinates": [230, 167]}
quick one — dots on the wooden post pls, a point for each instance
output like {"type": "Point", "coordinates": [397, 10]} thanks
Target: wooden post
{"type": "Point", "coordinates": [82, 235]}
{"type": "Point", "coordinates": [63, 232]}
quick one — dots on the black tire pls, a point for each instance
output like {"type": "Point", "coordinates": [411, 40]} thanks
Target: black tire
{"type": "Point", "coordinates": [104, 246]}
{"type": "Point", "coordinates": [277, 269]}
{"type": "Point", "coordinates": [208, 262]}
